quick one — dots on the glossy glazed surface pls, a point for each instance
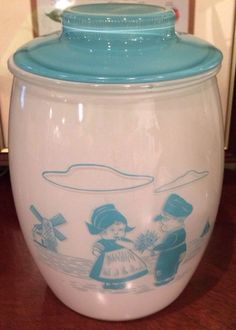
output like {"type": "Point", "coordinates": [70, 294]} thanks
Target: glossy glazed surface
{"type": "Point", "coordinates": [120, 194]}
{"type": "Point", "coordinates": [118, 43]}
{"type": "Point", "coordinates": [208, 302]}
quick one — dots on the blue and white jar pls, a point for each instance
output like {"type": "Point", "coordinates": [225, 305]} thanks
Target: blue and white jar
{"type": "Point", "coordinates": [116, 157]}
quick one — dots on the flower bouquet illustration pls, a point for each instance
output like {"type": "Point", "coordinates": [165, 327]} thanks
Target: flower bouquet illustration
{"type": "Point", "coordinates": [146, 242]}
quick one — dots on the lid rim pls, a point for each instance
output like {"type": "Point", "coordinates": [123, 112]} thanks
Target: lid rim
{"type": "Point", "coordinates": [21, 72]}
{"type": "Point", "coordinates": [112, 89]}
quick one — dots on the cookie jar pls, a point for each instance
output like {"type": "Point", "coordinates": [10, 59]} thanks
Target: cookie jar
{"type": "Point", "coordinates": [116, 156]}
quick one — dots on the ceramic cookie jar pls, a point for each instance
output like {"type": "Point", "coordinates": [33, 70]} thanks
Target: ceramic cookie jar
{"type": "Point", "coordinates": [116, 156]}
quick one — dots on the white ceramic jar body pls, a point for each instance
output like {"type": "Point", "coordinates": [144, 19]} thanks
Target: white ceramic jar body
{"type": "Point", "coordinates": [116, 188]}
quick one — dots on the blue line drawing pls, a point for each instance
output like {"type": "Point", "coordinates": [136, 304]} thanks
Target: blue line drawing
{"type": "Point", "coordinates": [45, 233]}
{"type": "Point", "coordinates": [183, 180]}
{"type": "Point", "coordinates": [206, 229]}
{"type": "Point", "coordinates": [118, 259]}
{"type": "Point", "coordinates": [78, 268]}
{"type": "Point", "coordinates": [107, 178]}
{"type": "Point", "coordinates": [116, 263]}
{"type": "Point", "coordinates": [172, 249]}
{"type": "Point", "coordinates": [146, 241]}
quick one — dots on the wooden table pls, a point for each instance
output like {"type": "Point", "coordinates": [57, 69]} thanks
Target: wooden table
{"type": "Point", "coordinates": [208, 302]}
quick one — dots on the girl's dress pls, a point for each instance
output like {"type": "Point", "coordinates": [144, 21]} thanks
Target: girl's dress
{"type": "Point", "coordinates": [116, 263]}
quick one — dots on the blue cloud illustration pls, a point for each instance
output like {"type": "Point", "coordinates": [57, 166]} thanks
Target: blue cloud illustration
{"type": "Point", "coordinates": [96, 178]}
{"type": "Point", "coordinates": [182, 180]}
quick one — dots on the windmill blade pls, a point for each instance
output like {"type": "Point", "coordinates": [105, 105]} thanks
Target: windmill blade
{"type": "Point", "coordinates": [36, 213]}
{"type": "Point", "coordinates": [58, 220]}
{"type": "Point", "coordinates": [38, 227]}
{"type": "Point", "coordinates": [59, 235]}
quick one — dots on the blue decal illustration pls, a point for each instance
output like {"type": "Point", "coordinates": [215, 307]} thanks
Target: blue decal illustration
{"type": "Point", "coordinates": [183, 180]}
{"type": "Point", "coordinates": [206, 229]}
{"type": "Point", "coordinates": [146, 241]}
{"type": "Point", "coordinates": [45, 232]}
{"type": "Point", "coordinates": [172, 248]}
{"type": "Point", "coordinates": [118, 259]}
{"type": "Point", "coordinates": [96, 178]}
{"type": "Point", "coordinates": [115, 263]}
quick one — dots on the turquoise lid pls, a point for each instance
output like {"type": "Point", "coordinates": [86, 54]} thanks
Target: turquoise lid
{"type": "Point", "coordinates": [117, 43]}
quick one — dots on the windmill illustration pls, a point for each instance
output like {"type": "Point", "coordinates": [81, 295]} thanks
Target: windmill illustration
{"type": "Point", "coordinates": [45, 233]}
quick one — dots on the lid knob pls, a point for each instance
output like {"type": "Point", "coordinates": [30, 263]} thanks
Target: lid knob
{"type": "Point", "coordinates": [117, 18]}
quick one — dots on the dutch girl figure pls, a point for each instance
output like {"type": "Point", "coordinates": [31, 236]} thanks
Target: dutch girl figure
{"type": "Point", "coordinates": [115, 263]}
{"type": "Point", "coordinates": [172, 249]}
